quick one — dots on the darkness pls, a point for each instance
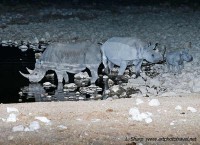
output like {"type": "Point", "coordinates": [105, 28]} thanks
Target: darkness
{"type": "Point", "coordinates": [11, 61]}
{"type": "Point", "coordinates": [191, 3]}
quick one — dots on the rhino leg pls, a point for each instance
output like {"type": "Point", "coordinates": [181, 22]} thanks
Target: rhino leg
{"type": "Point", "coordinates": [138, 68]}
{"type": "Point", "coordinates": [93, 70]}
{"type": "Point", "coordinates": [122, 68]}
{"type": "Point", "coordinates": [110, 66]}
{"type": "Point", "coordinates": [59, 76]}
{"type": "Point", "coordinates": [65, 76]}
{"type": "Point", "coordinates": [105, 63]}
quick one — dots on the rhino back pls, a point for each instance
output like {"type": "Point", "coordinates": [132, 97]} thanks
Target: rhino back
{"type": "Point", "coordinates": [75, 53]}
{"type": "Point", "coordinates": [123, 48]}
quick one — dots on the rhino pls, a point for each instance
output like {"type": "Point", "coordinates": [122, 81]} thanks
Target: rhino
{"type": "Point", "coordinates": [175, 59]}
{"type": "Point", "coordinates": [66, 57]}
{"type": "Point", "coordinates": [125, 51]}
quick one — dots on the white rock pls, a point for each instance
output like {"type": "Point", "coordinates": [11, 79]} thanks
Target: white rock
{"type": "Point", "coordinates": [148, 120]}
{"type": "Point", "coordinates": [168, 94]}
{"type": "Point", "coordinates": [18, 128]}
{"type": "Point", "coordinates": [12, 109]}
{"type": "Point", "coordinates": [172, 123]}
{"type": "Point", "coordinates": [115, 88]}
{"type": "Point", "coordinates": [178, 107]}
{"type": "Point", "coordinates": [34, 126]}
{"type": "Point", "coordinates": [154, 102]}
{"type": "Point", "coordinates": [46, 84]}
{"type": "Point", "coordinates": [139, 101]}
{"type": "Point", "coordinates": [23, 47]}
{"type": "Point", "coordinates": [143, 89]}
{"type": "Point", "coordinates": [137, 82]}
{"type": "Point", "coordinates": [135, 114]}
{"type": "Point", "coordinates": [12, 118]}
{"type": "Point", "coordinates": [154, 82]}
{"type": "Point", "coordinates": [95, 120]}
{"type": "Point", "coordinates": [62, 127]}
{"type": "Point", "coordinates": [43, 119]}
{"type": "Point", "coordinates": [26, 129]}
{"type": "Point", "coordinates": [152, 91]}
{"type": "Point", "coordinates": [191, 109]}
{"type": "Point", "coordinates": [3, 119]}
{"type": "Point", "coordinates": [71, 86]}
{"type": "Point", "coordinates": [82, 75]}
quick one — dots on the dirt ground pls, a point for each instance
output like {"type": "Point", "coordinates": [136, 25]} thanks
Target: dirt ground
{"type": "Point", "coordinates": [104, 122]}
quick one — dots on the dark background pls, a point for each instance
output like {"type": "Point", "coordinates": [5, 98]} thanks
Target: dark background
{"type": "Point", "coordinates": [102, 2]}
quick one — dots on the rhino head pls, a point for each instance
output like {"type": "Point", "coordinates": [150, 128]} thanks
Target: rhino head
{"type": "Point", "coordinates": [186, 56]}
{"type": "Point", "coordinates": [152, 54]}
{"type": "Point", "coordinates": [35, 75]}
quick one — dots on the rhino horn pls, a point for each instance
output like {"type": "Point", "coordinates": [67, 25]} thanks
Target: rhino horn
{"type": "Point", "coordinates": [24, 75]}
{"type": "Point", "coordinates": [29, 70]}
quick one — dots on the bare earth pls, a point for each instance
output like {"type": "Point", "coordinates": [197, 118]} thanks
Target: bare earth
{"type": "Point", "coordinates": [104, 122]}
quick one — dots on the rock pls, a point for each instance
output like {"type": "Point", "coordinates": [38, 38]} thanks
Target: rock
{"type": "Point", "coordinates": [12, 109]}
{"type": "Point", "coordinates": [178, 107]}
{"type": "Point", "coordinates": [62, 127]}
{"type": "Point", "coordinates": [23, 48]}
{"type": "Point", "coordinates": [116, 90]}
{"type": "Point", "coordinates": [191, 109]}
{"type": "Point", "coordinates": [18, 128]}
{"type": "Point", "coordinates": [115, 97]}
{"type": "Point", "coordinates": [12, 118]}
{"type": "Point", "coordinates": [110, 83]}
{"type": "Point", "coordinates": [154, 102]}
{"type": "Point", "coordinates": [137, 116]}
{"type": "Point", "coordinates": [43, 119]}
{"type": "Point", "coordinates": [154, 82]}
{"type": "Point", "coordinates": [152, 91]}
{"type": "Point", "coordinates": [139, 101]}
{"type": "Point", "coordinates": [169, 94]}
{"type": "Point", "coordinates": [81, 75]}
{"type": "Point", "coordinates": [81, 79]}
{"type": "Point", "coordinates": [4, 43]}
{"type": "Point", "coordinates": [109, 99]}
{"type": "Point", "coordinates": [34, 126]}
{"type": "Point", "coordinates": [137, 82]}
{"type": "Point", "coordinates": [46, 84]}
{"type": "Point", "coordinates": [123, 95]}
{"type": "Point", "coordinates": [148, 120]}
{"type": "Point", "coordinates": [131, 90]}
{"type": "Point", "coordinates": [143, 89]}
{"type": "Point", "coordinates": [70, 87]}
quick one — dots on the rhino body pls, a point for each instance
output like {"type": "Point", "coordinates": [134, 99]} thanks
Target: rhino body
{"type": "Point", "coordinates": [175, 60]}
{"type": "Point", "coordinates": [65, 57]}
{"type": "Point", "coordinates": [124, 51]}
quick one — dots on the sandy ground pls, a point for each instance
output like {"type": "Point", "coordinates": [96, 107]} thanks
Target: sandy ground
{"type": "Point", "coordinates": [104, 122]}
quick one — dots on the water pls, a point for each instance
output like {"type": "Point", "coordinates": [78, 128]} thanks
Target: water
{"type": "Point", "coordinates": [11, 61]}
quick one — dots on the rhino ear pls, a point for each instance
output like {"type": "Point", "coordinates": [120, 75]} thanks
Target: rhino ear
{"type": "Point", "coordinates": [149, 44]}
{"type": "Point", "coordinates": [155, 47]}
